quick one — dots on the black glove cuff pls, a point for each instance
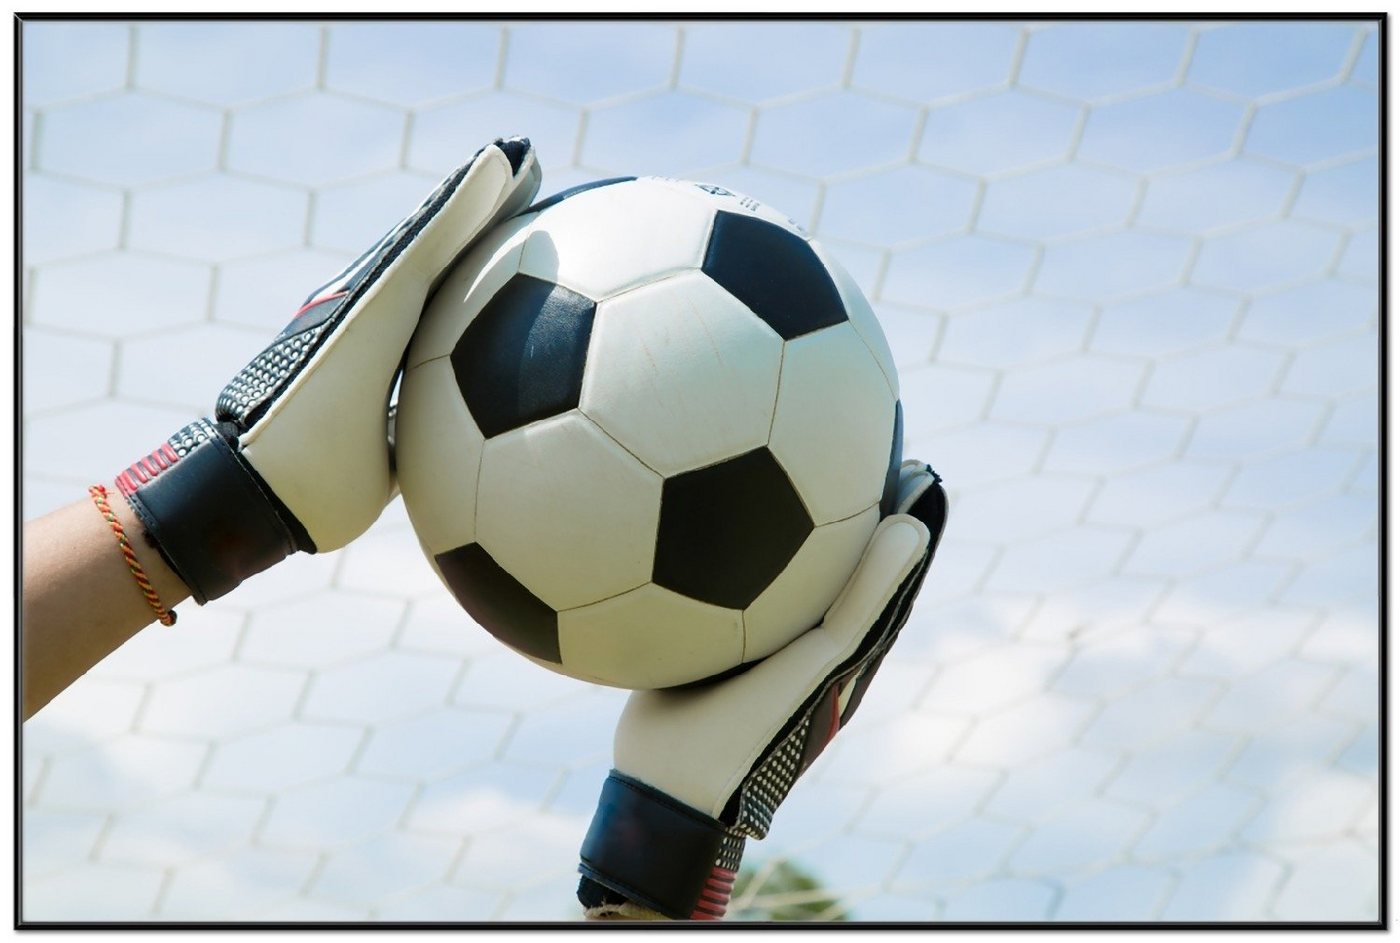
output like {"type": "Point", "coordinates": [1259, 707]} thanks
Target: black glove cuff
{"type": "Point", "coordinates": [209, 515]}
{"type": "Point", "coordinates": [649, 848]}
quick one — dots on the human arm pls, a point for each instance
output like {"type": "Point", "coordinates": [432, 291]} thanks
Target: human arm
{"type": "Point", "coordinates": [296, 456]}
{"type": "Point", "coordinates": [80, 601]}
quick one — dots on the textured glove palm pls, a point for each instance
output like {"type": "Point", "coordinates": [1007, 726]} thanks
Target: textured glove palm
{"type": "Point", "coordinates": [297, 454]}
{"type": "Point", "coordinates": [700, 770]}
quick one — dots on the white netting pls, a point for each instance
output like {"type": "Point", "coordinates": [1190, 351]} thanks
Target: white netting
{"type": "Point", "coordinates": [1129, 274]}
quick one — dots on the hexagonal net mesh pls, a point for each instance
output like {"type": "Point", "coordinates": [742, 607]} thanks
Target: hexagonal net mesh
{"type": "Point", "coordinates": [1129, 274]}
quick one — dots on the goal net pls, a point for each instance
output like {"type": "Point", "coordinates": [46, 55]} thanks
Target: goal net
{"type": "Point", "coordinates": [1128, 271]}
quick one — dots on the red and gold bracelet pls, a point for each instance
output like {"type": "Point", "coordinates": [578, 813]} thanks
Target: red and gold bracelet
{"type": "Point", "coordinates": [99, 497]}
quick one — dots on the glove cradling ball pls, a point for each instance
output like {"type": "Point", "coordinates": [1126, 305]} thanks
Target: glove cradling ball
{"type": "Point", "coordinates": [296, 456]}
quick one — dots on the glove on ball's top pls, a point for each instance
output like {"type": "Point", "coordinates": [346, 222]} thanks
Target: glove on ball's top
{"type": "Point", "coordinates": [257, 385]}
{"type": "Point", "coordinates": [297, 455]}
{"type": "Point", "coordinates": [250, 393]}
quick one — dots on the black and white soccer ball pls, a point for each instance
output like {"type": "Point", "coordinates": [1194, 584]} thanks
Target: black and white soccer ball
{"type": "Point", "coordinates": [645, 431]}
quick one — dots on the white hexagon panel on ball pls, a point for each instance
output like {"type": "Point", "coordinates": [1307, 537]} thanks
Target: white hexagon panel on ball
{"type": "Point", "coordinates": [616, 237]}
{"type": "Point", "coordinates": [681, 373]}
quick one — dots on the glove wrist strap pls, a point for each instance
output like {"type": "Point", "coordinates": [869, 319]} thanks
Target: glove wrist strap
{"type": "Point", "coordinates": [206, 511]}
{"type": "Point", "coordinates": [654, 851]}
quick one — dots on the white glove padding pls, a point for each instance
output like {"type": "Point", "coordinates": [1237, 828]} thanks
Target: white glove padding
{"type": "Point", "coordinates": [297, 455]}
{"type": "Point", "coordinates": [700, 769]}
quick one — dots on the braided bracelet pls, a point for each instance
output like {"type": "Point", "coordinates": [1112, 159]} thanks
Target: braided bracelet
{"type": "Point", "coordinates": [99, 497]}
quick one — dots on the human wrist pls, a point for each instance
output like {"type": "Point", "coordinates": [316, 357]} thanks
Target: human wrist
{"type": "Point", "coordinates": [208, 513]}
{"type": "Point", "coordinates": [167, 582]}
{"type": "Point", "coordinates": [622, 910]}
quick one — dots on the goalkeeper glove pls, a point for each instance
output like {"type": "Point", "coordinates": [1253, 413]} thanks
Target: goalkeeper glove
{"type": "Point", "coordinates": [297, 453]}
{"type": "Point", "coordinates": [699, 770]}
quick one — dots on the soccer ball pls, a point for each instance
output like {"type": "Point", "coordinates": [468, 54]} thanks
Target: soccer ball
{"type": "Point", "coordinates": [645, 431]}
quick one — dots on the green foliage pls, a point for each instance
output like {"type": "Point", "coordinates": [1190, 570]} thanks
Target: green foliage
{"type": "Point", "coordinates": [782, 890]}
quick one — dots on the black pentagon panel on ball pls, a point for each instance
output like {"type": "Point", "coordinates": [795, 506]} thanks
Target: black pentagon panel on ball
{"type": "Point", "coordinates": [891, 492]}
{"type": "Point", "coordinates": [522, 358]}
{"type": "Point", "coordinates": [728, 530]}
{"type": "Point", "coordinates": [774, 273]}
{"type": "Point", "coordinates": [499, 603]}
